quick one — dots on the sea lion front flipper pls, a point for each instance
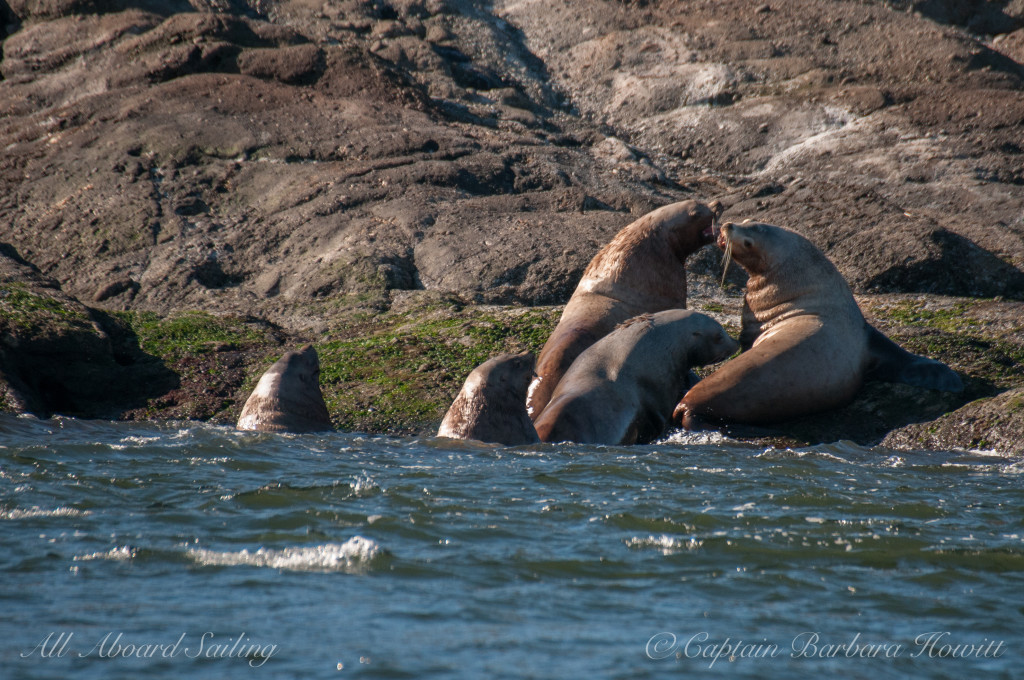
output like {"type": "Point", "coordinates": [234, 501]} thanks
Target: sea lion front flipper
{"type": "Point", "coordinates": [892, 363]}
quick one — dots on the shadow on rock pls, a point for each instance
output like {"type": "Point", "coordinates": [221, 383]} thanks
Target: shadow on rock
{"type": "Point", "coordinates": [942, 262]}
{"type": "Point", "coordinates": [878, 409]}
{"type": "Point", "coordinates": [59, 357]}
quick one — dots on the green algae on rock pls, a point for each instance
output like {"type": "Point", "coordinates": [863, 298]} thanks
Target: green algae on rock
{"type": "Point", "coordinates": [400, 372]}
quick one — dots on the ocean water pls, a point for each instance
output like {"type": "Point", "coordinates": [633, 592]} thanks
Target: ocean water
{"type": "Point", "coordinates": [192, 551]}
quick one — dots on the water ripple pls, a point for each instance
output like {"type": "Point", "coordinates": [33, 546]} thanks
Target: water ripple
{"type": "Point", "coordinates": [525, 557]}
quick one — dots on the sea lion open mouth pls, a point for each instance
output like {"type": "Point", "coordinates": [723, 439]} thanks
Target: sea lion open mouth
{"type": "Point", "coordinates": [711, 234]}
{"type": "Point", "coordinates": [722, 236]}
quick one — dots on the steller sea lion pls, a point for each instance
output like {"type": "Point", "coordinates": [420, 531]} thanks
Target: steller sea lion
{"type": "Point", "coordinates": [622, 389]}
{"type": "Point", "coordinates": [287, 398]}
{"type": "Point", "coordinates": [642, 270]}
{"type": "Point", "coordinates": [809, 345]}
{"type": "Point", "coordinates": [491, 407]}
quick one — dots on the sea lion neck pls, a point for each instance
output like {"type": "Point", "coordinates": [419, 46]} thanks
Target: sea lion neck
{"type": "Point", "coordinates": [762, 294]}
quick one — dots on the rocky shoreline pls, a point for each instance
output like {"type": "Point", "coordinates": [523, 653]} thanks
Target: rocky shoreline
{"type": "Point", "coordinates": [193, 188]}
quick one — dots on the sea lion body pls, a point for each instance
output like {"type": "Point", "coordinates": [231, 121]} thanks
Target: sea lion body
{"type": "Point", "coordinates": [287, 398]}
{"type": "Point", "coordinates": [491, 406]}
{"type": "Point", "coordinates": [810, 348]}
{"type": "Point", "coordinates": [642, 270]}
{"type": "Point", "coordinates": [622, 389]}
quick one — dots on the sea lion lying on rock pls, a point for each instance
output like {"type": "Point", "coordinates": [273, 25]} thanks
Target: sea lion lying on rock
{"type": "Point", "coordinates": [642, 270]}
{"type": "Point", "coordinates": [491, 407]}
{"type": "Point", "coordinates": [810, 348]}
{"type": "Point", "coordinates": [622, 389]}
{"type": "Point", "coordinates": [287, 398]}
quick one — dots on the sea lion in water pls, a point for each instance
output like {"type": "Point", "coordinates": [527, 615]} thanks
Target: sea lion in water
{"type": "Point", "coordinates": [641, 271]}
{"type": "Point", "coordinates": [622, 389]}
{"type": "Point", "coordinates": [287, 398]}
{"type": "Point", "coordinates": [491, 407]}
{"type": "Point", "coordinates": [809, 345]}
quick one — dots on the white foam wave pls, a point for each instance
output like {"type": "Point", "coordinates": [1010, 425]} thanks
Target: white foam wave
{"type": "Point", "coordinates": [667, 545]}
{"type": "Point", "coordinates": [352, 556]}
{"type": "Point", "coordinates": [694, 438]}
{"type": "Point", "coordinates": [987, 453]}
{"type": "Point", "coordinates": [364, 486]}
{"type": "Point", "coordinates": [36, 511]}
{"type": "Point", "coordinates": [137, 440]}
{"type": "Point", "coordinates": [119, 554]}
{"type": "Point", "coordinates": [773, 453]}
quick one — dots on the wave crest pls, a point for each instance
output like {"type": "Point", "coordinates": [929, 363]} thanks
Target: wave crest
{"type": "Point", "coordinates": [355, 555]}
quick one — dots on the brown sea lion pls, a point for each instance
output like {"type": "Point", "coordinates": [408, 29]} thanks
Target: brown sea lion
{"type": "Point", "coordinates": [622, 389]}
{"type": "Point", "coordinates": [641, 271]}
{"type": "Point", "coordinates": [491, 407]}
{"type": "Point", "coordinates": [809, 345]}
{"type": "Point", "coordinates": [287, 398]}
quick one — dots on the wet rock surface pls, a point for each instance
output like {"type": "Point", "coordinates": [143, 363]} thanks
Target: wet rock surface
{"type": "Point", "coordinates": [300, 163]}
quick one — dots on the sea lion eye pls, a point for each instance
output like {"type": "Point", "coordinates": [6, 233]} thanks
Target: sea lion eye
{"type": "Point", "coordinates": [747, 243]}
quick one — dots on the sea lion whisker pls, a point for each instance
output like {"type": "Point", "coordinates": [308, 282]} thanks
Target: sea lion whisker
{"type": "Point", "coordinates": [726, 258]}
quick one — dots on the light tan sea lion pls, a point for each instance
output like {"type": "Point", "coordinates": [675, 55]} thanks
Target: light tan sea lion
{"type": "Point", "coordinates": [491, 407]}
{"type": "Point", "coordinates": [641, 271]}
{"type": "Point", "coordinates": [809, 345]}
{"type": "Point", "coordinates": [287, 398]}
{"type": "Point", "coordinates": [622, 389]}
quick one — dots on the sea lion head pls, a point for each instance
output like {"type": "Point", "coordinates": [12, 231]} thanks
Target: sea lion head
{"type": "Point", "coordinates": [301, 366]}
{"type": "Point", "coordinates": [757, 246]}
{"type": "Point", "coordinates": [786, 270]}
{"type": "Point", "coordinates": [709, 343]}
{"type": "Point", "coordinates": [710, 233]}
{"type": "Point", "coordinates": [491, 406]}
{"type": "Point", "coordinates": [506, 372]}
{"type": "Point", "coordinates": [692, 227]}
{"type": "Point", "coordinates": [287, 397]}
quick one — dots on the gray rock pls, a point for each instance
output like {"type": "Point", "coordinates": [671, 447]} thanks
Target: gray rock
{"type": "Point", "coordinates": [294, 161]}
{"type": "Point", "coordinates": [994, 423]}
